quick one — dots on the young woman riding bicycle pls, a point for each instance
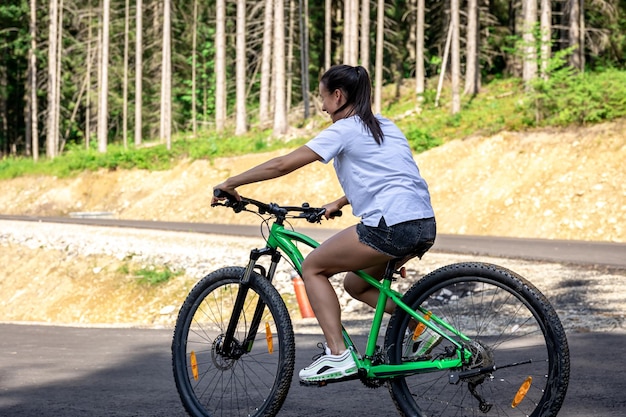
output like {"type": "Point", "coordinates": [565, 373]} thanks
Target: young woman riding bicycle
{"type": "Point", "coordinates": [381, 182]}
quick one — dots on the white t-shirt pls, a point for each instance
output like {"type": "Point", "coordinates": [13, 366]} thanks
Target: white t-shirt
{"type": "Point", "coordinates": [378, 180]}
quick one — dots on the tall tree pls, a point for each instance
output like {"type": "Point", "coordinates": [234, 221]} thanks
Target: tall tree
{"type": "Point", "coordinates": [472, 67]}
{"type": "Point", "coordinates": [240, 75]}
{"type": "Point", "coordinates": [103, 90]}
{"type": "Point", "coordinates": [420, 74]}
{"type": "Point", "coordinates": [166, 77]}
{"type": "Point", "coordinates": [125, 81]}
{"type": "Point", "coordinates": [32, 126]}
{"type": "Point", "coordinates": [328, 23]}
{"type": "Point", "coordinates": [90, 57]}
{"type": "Point", "coordinates": [52, 131]}
{"type": "Point", "coordinates": [280, 108]}
{"type": "Point", "coordinates": [220, 65]}
{"type": "Point", "coordinates": [138, 72]}
{"type": "Point", "coordinates": [266, 64]}
{"type": "Point", "coordinates": [529, 64]}
{"type": "Point", "coordinates": [378, 69]}
{"type": "Point", "coordinates": [291, 30]}
{"type": "Point", "coordinates": [577, 58]}
{"type": "Point", "coordinates": [194, 69]}
{"type": "Point", "coordinates": [365, 34]}
{"type": "Point", "coordinates": [455, 58]}
{"type": "Point", "coordinates": [304, 55]}
{"type": "Point", "coordinates": [546, 36]}
{"type": "Point", "coordinates": [351, 32]}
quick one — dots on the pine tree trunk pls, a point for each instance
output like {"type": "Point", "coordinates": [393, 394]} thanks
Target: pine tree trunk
{"type": "Point", "coordinates": [328, 7]}
{"type": "Point", "coordinates": [304, 55]}
{"type": "Point", "coordinates": [378, 71]}
{"type": "Point", "coordinates": [52, 132]}
{"type": "Point", "coordinates": [280, 116]}
{"type": "Point", "coordinates": [546, 38]}
{"type": "Point", "coordinates": [577, 57]}
{"type": "Point", "coordinates": [266, 64]}
{"type": "Point", "coordinates": [472, 71]}
{"type": "Point", "coordinates": [194, 59]}
{"type": "Point", "coordinates": [529, 65]}
{"type": "Point", "coordinates": [138, 72]}
{"type": "Point", "coordinates": [220, 65]}
{"type": "Point", "coordinates": [104, 79]}
{"type": "Point", "coordinates": [32, 126]}
{"type": "Point", "coordinates": [240, 77]}
{"type": "Point", "coordinates": [455, 56]}
{"type": "Point", "coordinates": [166, 78]}
{"type": "Point", "coordinates": [420, 73]}
{"type": "Point", "coordinates": [365, 34]}
{"type": "Point", "coordinates": [125, 81]}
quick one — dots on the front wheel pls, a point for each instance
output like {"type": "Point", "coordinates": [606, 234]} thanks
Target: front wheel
{"type": "Point", "coordinates": [248, 376]}
{"type": "Point", "coordinates": [519, 363]}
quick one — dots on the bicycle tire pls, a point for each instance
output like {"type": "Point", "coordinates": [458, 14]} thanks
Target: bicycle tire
{"type": "Point", "coordinates": [509, 322]}
{"type": "Point", "coordinates": [255, 383]}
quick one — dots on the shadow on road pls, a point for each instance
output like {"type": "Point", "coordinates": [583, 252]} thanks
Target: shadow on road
{"type": "Point", "coordinates": [68, 371]}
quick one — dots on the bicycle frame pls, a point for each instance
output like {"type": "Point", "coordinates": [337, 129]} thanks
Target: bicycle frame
{"type": "Point", "coordinates": [284, 239]}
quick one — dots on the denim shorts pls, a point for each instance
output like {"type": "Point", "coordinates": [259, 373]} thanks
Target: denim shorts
{"type": "Point", "coordinates": [412, 238]}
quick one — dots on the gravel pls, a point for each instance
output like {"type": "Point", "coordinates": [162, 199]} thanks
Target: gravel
{"type": "Point", "coordinates": [586, 299]}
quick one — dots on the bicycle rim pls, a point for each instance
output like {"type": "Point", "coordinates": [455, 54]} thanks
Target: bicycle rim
{"type": "Point", "coordinates": [512, 327]}
{"type": "Point", "coordinates": [248, 383]}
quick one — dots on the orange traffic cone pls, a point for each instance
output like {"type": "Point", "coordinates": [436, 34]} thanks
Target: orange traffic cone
{"type": "Point", "coordinates": [303, 301]}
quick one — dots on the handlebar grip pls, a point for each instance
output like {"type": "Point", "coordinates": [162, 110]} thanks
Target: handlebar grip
{"type": "Point", "coordinates": [222, 194]}
{"type": "Point", "coordinates": [337, 213]}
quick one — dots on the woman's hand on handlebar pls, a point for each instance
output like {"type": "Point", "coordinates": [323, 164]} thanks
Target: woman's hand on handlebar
{"type": "Point", "coordinates": [333, 208]}
{"type": "Point", "coordinates": [226, 189]}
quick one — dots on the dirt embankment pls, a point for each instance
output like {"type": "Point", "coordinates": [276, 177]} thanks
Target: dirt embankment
{"type": "Point", "coordinates": [559, 184]}
{"type": "Point", "coordinates": [555, 184]}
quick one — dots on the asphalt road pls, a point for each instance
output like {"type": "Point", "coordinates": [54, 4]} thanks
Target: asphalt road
{"type": "Point", "coordinates": [565, 251]}
{"type": "Point", "coordinates": [69, 371]}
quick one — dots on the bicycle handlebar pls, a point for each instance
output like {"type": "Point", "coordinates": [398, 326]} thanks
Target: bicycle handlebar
{"type": "Point", "coordinates": [310, 214]}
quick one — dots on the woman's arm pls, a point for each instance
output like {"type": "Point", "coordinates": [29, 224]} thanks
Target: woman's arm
{"type": "Point", "coordinates": [274, 168]}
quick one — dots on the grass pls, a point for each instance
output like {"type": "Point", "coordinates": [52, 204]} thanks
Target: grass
{"type": "Point", "coordinates": [151, 275]}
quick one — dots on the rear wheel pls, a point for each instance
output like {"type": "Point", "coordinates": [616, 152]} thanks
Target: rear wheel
{"type": "Point", "coordinates": [251, 376]}
{"type": "Point", "coordinates": [512, 327]}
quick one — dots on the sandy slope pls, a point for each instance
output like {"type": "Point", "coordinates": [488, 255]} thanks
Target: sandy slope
{"type": "Point", "coordinates": [555, 184]}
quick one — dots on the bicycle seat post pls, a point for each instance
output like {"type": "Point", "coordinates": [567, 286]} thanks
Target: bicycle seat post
{"type": "Point", "coordinates": [391, 269]}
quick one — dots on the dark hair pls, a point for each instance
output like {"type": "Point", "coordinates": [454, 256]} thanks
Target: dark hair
{"type": "Point", "coordinates": [355, 84]}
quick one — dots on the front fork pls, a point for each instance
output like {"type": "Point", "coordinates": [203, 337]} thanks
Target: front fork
{"type": "Point", "coordinates": [235, 350]}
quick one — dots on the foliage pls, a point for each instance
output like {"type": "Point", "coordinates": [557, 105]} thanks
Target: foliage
{"type": "Point", "coordinates": [568, 97]}
{"type": "Point", "coordinates": [605, 45]}
{"type": "Point", "coordinates": [152, 155]}
{"type": "Point", "coordinates": [151, 275]}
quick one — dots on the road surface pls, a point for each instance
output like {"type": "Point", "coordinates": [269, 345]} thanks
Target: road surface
{"type": "Point", "coordinates": [113, 372]}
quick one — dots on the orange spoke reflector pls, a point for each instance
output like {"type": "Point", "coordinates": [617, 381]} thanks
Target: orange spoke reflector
{"type": "Point", "coordinates": [522, 391]}
{"type": "Point", "coordinates": [194, 364]}
{"type": "Point", "coordinates": [419, 329]}
{"type": "Point", "coordinates": [268, 337]}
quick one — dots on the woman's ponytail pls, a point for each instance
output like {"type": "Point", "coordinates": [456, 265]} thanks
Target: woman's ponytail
{"type": "Point", "coordinates": [355, 84]}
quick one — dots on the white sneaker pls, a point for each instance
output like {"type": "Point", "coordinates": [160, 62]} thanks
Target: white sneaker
{"type": "Point", "coordinates": [329, 367]}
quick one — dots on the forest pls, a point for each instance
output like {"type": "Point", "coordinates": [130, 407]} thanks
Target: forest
{"type": "Point", "coordinates": [91, 73]}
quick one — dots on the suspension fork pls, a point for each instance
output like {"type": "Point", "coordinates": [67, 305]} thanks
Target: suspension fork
{"type": "Point", "coordinates": [244, 285]}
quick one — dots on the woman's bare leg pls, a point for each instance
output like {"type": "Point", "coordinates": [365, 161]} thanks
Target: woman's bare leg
{"type": "Point", "coordinates": [362, 291]}
{"type": "Point", "coordinates": [342, 252]}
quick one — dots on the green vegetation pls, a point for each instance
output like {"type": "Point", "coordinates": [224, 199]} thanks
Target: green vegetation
{"type": "Point", "coordinates": [151, 275]}
{"type": "Point", "coordinates": [567, 98]}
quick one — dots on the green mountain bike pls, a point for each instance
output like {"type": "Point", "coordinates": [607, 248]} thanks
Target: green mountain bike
{"type": "Point", "coordinates": [467, 339]}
